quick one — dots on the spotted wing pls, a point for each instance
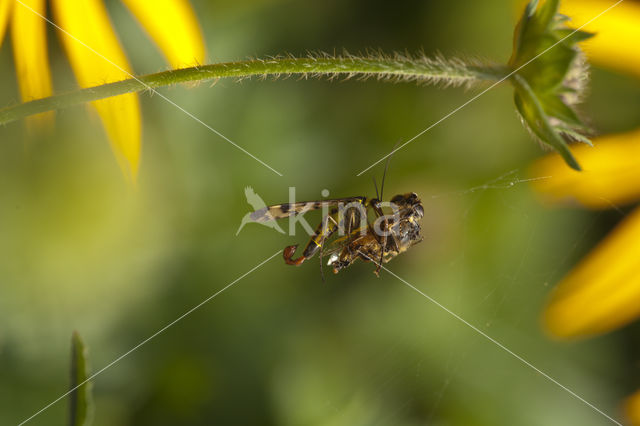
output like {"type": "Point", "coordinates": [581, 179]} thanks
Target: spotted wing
{"type": "Point", "coordinates": [280, 211]}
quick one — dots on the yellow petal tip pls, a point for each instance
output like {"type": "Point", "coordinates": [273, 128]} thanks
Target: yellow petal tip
{"type": "Point", "coordinates": [631, 408]}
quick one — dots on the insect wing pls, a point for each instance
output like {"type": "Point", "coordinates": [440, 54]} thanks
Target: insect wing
{"type": "Point", "coordinates": [281, 211]}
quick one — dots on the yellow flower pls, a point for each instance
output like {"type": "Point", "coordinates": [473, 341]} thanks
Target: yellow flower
{"type": "Point", "coordinates": [602, 292]}
{"type": "Point", "coordinates": [632, 408]}
{"type": "Point", "coordinates": [97, 57]}
{"type": "Point", "coordinates": [616, 44]}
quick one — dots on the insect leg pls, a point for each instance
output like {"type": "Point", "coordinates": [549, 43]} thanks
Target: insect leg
{"type": "Point", "coordinates": [321, 266]}
{"type": "Point", "coordinates": [325, 229]}
{"type": "Point", "coordinates": [374, 204]}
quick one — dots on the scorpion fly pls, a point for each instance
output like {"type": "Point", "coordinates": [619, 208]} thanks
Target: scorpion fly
{"type": "Point", "coordinates": [378, 241]}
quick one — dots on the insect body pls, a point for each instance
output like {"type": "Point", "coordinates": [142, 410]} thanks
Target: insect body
{"type": "Point", "coordinates": [376, 241]}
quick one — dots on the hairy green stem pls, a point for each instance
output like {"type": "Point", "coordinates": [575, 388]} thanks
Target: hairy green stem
{"type": "Point", "coordinates": [392, 68]}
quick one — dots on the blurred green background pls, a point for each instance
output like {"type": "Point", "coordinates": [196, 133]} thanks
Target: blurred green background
{"type": "Point", "coordinates": [80, 250]}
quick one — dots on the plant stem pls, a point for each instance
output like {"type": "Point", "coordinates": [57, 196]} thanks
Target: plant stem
{"type": "Point", "coordinates": [392, 68]}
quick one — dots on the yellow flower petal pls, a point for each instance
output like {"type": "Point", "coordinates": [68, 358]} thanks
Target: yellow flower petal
{"type": "Point", "coordinates": [632, 409]}
{"type": "Point", "coordinates": [603, 291]}
{"type": "Point", "coordinates": [29, 38]}
{"type": "Point", "coordinates": [174, 27]}
{"type": "Point", "coordinates": [87, 21]}
{"type": "Point", "coordinates": [610, 176]}
{"type": "Point", "coordinates": [618, 32]}
{"type": "Point", "coordinates": [5, 12]}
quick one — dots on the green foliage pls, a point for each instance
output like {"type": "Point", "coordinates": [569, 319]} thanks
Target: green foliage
{"type": "Point", "coordinates": [550, 77]}
{"type": "Point", "coordinates": [546, 68]}
{"type": "Point", "coordinates": [80, 398]}
{"type": "Point", "coordinates": [395, 67]}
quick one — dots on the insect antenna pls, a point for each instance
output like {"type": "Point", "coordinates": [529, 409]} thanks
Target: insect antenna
{"type": "Point", "coordinates": [386, 167]}
{"type": "Point", "coordinates": [375, 185]}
